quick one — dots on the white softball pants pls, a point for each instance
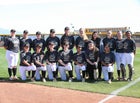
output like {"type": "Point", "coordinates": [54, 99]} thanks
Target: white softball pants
{"type": "Point", "coordinates": [12, 59]}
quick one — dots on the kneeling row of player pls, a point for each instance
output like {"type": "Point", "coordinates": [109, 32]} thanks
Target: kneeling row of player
{"type": "Point", "coordinates": [82, 60]}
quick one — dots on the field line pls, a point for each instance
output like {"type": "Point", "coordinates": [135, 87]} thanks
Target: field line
{"type": "Point", "coordinates": [114, 93]}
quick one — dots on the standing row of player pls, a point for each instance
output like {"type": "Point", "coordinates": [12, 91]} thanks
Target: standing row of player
{"type": "Point", "coordinates": [92, 55]}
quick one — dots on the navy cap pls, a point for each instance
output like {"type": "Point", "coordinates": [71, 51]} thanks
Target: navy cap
{"type": "Point", "coordinates": [79, 46]}
{"type": "Point", "coordinates": [39, 45]}
{"type": "Point", "coordinates": [25, 31]}
{"type": "Point", "coordinates": [12, 30]}
{"type": "Point", "coordinates": [52, 31]}
{"type": "Point", "coordinates": [26, 45]}
{"type": "Point", "coordinates": [51, 43]}
{"type": "Point", "coordinates": [66, 43]}
{"type": "Point", "coordinates": [38, 33]}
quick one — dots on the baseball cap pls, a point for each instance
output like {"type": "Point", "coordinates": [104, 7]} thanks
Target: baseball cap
{"type": "Point", "coordinates": [67, 28]}
{"type": "Point", "coordinates": [66, 43]}
{"type": "Point", "coordinates": [12, 30]}
{"type": "Point", "coordinates": [52, 31]}
{"type": "Point", "coordinates": [39, 45]}
{"type": "Point", "coordinates": [38, 33]}
{"type": "Point", "coordinates": [51, 43]}
{"type": "Point", "coordinates": [79, 46]}
{"type": "Point", "coordinates": [25, 31]}
{"type": "Point", "coordinates": [26, 45]}
{"type": "Point", "coordinates": [128, 31]}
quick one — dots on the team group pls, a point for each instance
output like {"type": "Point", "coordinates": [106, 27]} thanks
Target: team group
{"type": "Point", "coordinates": [91, 59]}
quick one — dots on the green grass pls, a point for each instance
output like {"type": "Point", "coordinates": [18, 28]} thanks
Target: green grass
{"type": "Point", "coordinates": [99, 87]}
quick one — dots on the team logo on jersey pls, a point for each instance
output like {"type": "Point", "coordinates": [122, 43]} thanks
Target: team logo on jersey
{"type": "Point", "coordinates": [91, 56]}
{"type": "Point", "coordinates": [28, 58]}
{"type": "Point", "coordinates": [79, 59]}
{"type": "Point", "coordinates": [120, 45]}
{"type": "Point", "coordinates": [52, 57]}
{"type": "Point", "coordinates": [107, 59]}
{"type": "Point", "coordinates": [110, 44]}
{"type": "Point", "coordinates": [66, 57]}
{"type": "Point", "coordinates": [81, 43]}
{"type": "Point", "coordinates": [125, 45]}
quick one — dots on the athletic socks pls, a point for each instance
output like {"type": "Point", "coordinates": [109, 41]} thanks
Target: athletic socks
{"type": "Point", "coordinates": [14, 71]}
{"type": "Point", "coordinates": [10, 72]}
{"type": "Point", "coordinates": [83, 74]}
{"type": "Point", "coordinates": [43, 74]}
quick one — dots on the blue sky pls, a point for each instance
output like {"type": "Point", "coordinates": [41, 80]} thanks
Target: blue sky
{"type": "Point", "coordinates": [43, 15]}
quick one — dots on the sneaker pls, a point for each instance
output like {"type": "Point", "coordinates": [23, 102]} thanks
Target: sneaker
{"type": "Point", "coordinates": [15, 78]}
{"type": "Point", "coordinates": [44, 80]}
{"type": "Point", "coordinates": [129, 79]}
{"type": "Point", "coordinates": [32, 79]}
{"type": "Point", "coordinates": [124, 79]}
{"type": "Point", "coordinates": [11, 78]}
{"type": "Point", "coordinates": [54, 80]}
{"type": "Point", "coordinates": [109, 81]}
{"type": "Point", "coordinates": [83, 79]}
{"type": "Point", "coordinates": [118, 78]}
{"type": "Point", "coordinates": [70, 79]}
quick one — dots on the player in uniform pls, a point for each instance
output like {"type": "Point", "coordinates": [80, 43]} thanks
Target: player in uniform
{"type": "Point", "coordinates": [92, 57]}
{"type": "Point", "coordinates": [24, 40]}
{"type": "Point", "coordinates": [39, 40]}
{"type": "Point", "coordinates": [38, 60]}
{"type": "Point", "coordinates": [53, 38]}
{"type": "Point", "coordinates": [51, 57]}
{"type": "Point", "coordinates": [12, 48]}
{"type": "Point", "coordinates": [67, 38]}
{"type": "Point", "coordinates": [109, 40]}
{"type": "Point", "coordinates": [107, 60]}
{"type": "Point", "coordinates": [119, 52]}
{"type": "Point", "coordinates": [98, 43]}
{"type": "Point", "coordinates": [80, 63]}
{"type": "Point", "coordinates": [65, 57]}
{"type": "Point", "coordinates": [26, 62]}
{"type": "Point", "coordinates": [128, 55]}
{"type": "Point", "coordinates": [81, 39]}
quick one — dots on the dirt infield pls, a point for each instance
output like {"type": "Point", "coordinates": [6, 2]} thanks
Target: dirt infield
{"type": "Point", "coordinates": [29, 93]}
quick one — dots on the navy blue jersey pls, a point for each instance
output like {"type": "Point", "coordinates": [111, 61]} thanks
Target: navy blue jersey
{"type": "Point", "coordinates": [69, 39]}
{"type": "Point", "coordinates": [108, 58]}
{"type": "Point", "coordinates": [129, 45]}
{"type": "Point", "coordinates": [24, 41]}
{"type": "Point", "coordinates": [110, 42]}
{"type": "Point", "coordinates": [65, 56]}
{"type": "Point", "coordinates": [119, 46]}
{"type": "Point", "coordinates": [55, 40]}
{"type": "Point", "coordinates": [80, 58]}
{"type": "Point", "coordinates": [97, 42]}
{"type": "Point", "coordinates": [12, 44]}
{"type": "Point", "coordinates": [80, 41]}
{"type": "Point", "coordinates": [92, 55]}
{"type": "Point", "coordinates": [51, 56]}
{"type": "Point", "coordinates": [40, 41]}
{"type": "Point", "coordinates": [38, 57]}
{"type": "Point", "coordinates": [25, 56]}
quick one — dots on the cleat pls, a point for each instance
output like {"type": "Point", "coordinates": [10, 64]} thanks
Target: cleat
{"type": "Point", "coordinates": [83, 79]}
{"type": "Point", "coordinates": [109, 82]}
{"type": "Point", "coordinates": [32, 79]}
{"type": "Point", "coordinates": [70, 79]}
{"type": "Point", "coordinates": [54, 80]}
{"type": "Point", "coordinates": [15, 78]}
{"type": "Point", "coordinates": [44, 80]}
{"type": "Point", "coordinates": [11, 78]}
